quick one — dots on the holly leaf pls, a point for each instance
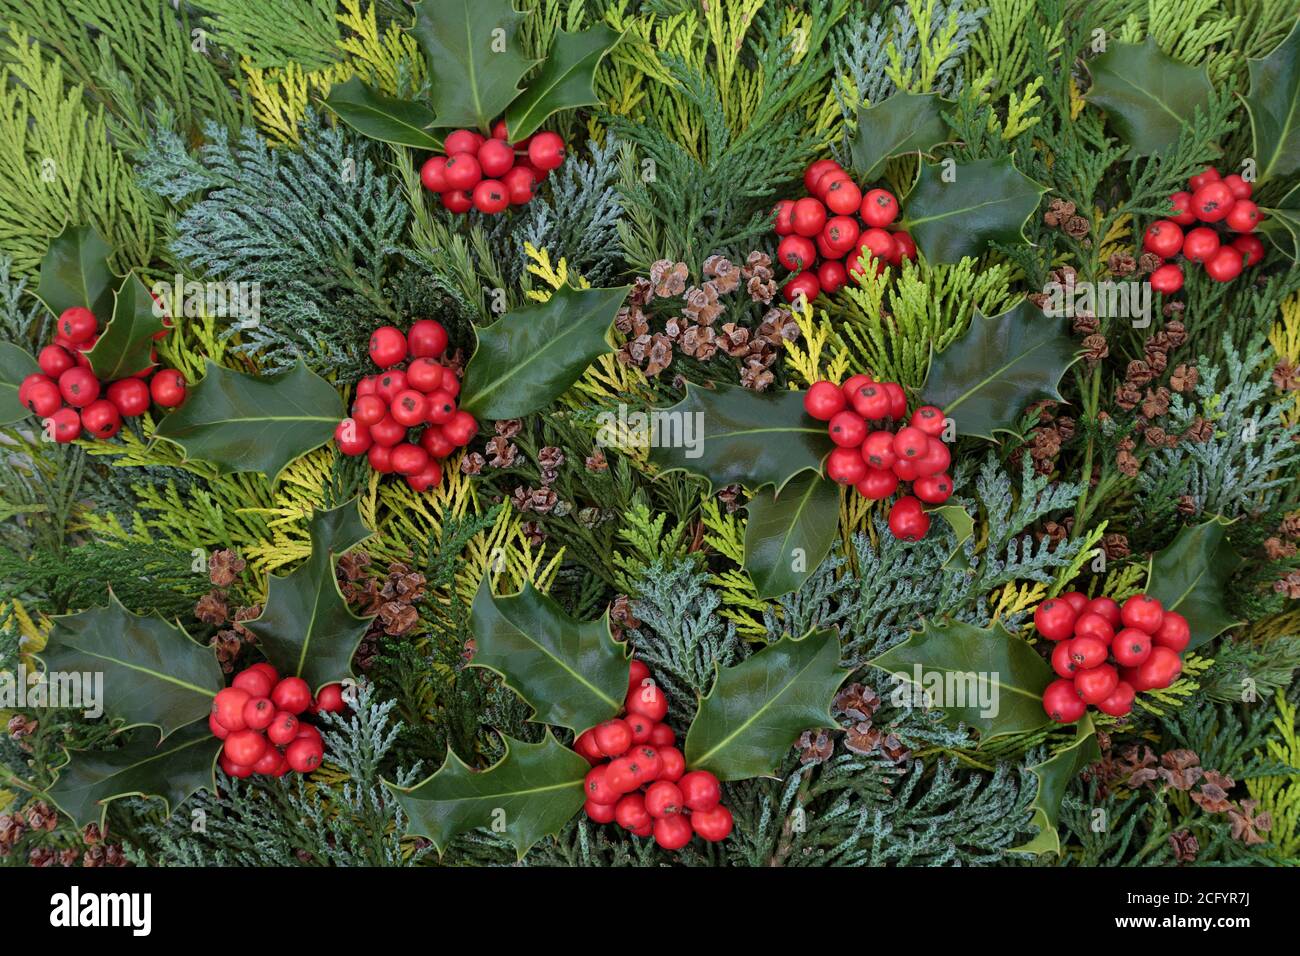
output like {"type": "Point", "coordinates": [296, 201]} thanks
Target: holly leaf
{"type": "Point", "coordinates": [566, 81]}
{"type": "Point", "coordinates": [903, 123]}
{"type": "Point", "coordinates": [790, 533]}
{"type": "Point", "coordinates": [75, 272]}
{"type": "Point", "coordinates": [126, 344]}
{"type": "Point", "coordinates": [388, 119]}
{"type": "Point", "coordinates": [306, 628]}
{"type": "Point", "coordinates": [1274, 107]}
{"type": "Point", "coordinates": [757, 709]}
{"type": "Point", "coordinates": [241, 422]}
{"type": "Point", "coordinates": [172, 768]}
{"type": "Point", "coordinates": [1282, 223]}
{"type": "Point", "coordinates": [963, 526]}
{"type": "Point", "coordinates": [152, 672]}
{"type": "Point", "coordinates": [1000, 365]}
{"type": "Point", "coordinates": [981, 677]}
{"type": "Point", "coordinates": [977, 204]}
{"type": "Point", "coordinates": [476, 59]}
{"type": "Point", "coordinates": [1148, 96]}
{"type": "Point", "coordinates": [730, 434]}
{"type": "Point", "coordinates": [531, 792]}
{"type": "Point", "coordinates": [15, 365]}
{"type": "Point", "coordinates": [529, 357]}
{"type": "Point", "coordinates": [1191, 577]}
{"type": "Point", "coordinates": [1055, 775]}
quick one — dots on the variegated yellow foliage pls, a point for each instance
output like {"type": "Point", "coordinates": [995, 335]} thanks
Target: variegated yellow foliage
{"type": "Point", "coordinates": [810, 357]}
{"type": "Point", "coordinates": [1280, 796]}
{"type": "Point", "coordinates": [725, 533]}
{"type": "Point", "coordinates": [1014, 598]}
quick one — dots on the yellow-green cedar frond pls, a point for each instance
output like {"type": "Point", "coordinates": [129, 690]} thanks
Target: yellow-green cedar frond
{"type": "Point", "coordinates": [1086, 553]}
{"type": "Point", "coordinates": [1119, 235]}
{"type": "Point", "coordinates": [725, 533]}
{"type": "Point", "coordinates": [1270, 628]}
{"type": "Point", "coordinates": [1013, 598]}
{"type": "Point", "coordinates": [857, 514]}
{"type": "Point", "coordinates": [280, 96]}
{"type": "Point", "coordinates": [191, 341]}
{"type": "Point", "coordinates": [1019, 110]}
{"type": "Point", "coordinates": [935, 51]}
{"type": "Point", "coordinates": [1191, 31]}
{"type": "Point", "coordinates": [554, 276]}
{"type": "Point", "coordinates": [1285, 339]}
{"type": "Point", "coordinates": [807, 357]}
{"type": "Point", "coordinates": [1123, 582]}
{"type": "Point", "coordinates": [1000, 48]}
{"type": "Point", "coordinates": [1161, 702]}
{"type": "Point", "coordinates": [1280, 796]}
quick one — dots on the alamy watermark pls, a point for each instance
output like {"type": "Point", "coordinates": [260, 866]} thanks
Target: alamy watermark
{"type": "Point", "coordinates": [223, 300]}
{"type": "Point", "coordinates": [657, 428]}
{"type": "Point", "coordinates": [75, 690]}
{"type": "Point", "coordinates": [970, 690]}
{"type": "Point", "coordinates": [1105, 299]}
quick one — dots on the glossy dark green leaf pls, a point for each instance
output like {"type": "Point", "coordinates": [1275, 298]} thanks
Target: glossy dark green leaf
{"type": "Point", "coordinates": [984, 678]}
{"type": "Point", "coordinates": [567, 80]}
{"type": "Point", "coordinates": [172, 769]}
{"type": "Point", "coordinates": [1281, 223]}
{"type": "Point", "coordinates": [1191, 577]}
{"type": "Point", "coordinates": [903, 123]}
{"type": "Point", "coordinates": [75, 272]}
{"type": "Point", "coordinates": [306, 628]}
{"type": "Point", "coordinates": [757, 709]}
{"type": "Point", "coordinates": [963, 526]}
{"type": "Point", "coordinates": [126, 344]}
{"type": "Point", "coordinates": [15, 365]}
{"type": "Point", "coordinates": [1148, 96]}
{"type": "Point", "coordinates": [385, 118]}
{"type": "Point", "coordinates": [570, 672]}
{"type": "Point", "coordinates": [1274, 105]}
{"type": "Point", "coordinates": [730, 434]}
{"type": "Point", "coordinates": [986, 201]}
{"type": "Point", "coordinates": [1000, 365]}
{"type": "Point", "coordinates": [242, 422]}
{"type": "Point", "coordinates": [1055, 774]}
{"type": "Point", "coordinates": [533, 791]}
{"type": "Point", "coordinates": [789, 534]}
{"type": "Point", "coordinates": [529, 357]}
{"type": "Point", "coordinates": [476, 58]}
{"type": "Point", "coordinates": [152, 672]}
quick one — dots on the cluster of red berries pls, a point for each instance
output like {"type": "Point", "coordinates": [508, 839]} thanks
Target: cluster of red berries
{"type": "Point", "coordinates": [1209, 198]}
{"type": "Point", "coordinates": [826, 233]}
{"type": "Point", "coordinates": [484, 174]}
{"type": "Point", "coordinates": [875, 459]}
{"type": "Point", "coordinates": [257, 718]}
{"type": "Point", "coordinates": [66, 394]}
{"type": "Point", "coordinates": [1106, 654]}
{"type": "Point", "coordinates": [388, 405]}
{"type": "Point", "coordinates": [644, 786]}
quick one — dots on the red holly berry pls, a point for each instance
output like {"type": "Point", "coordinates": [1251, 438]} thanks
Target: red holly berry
{"type": "Point", "coordinates": [815, 170]}
{"type": "Point", "coordinates": [245, 747]}
{"type": "Point", "coordinates": [101, 418]}
{"type": "Point", "coordinates": [352, 438]}
{"type": "Point", "coordinates": [387, 432]}
{"type": "Point", "coordinates": [663, 798]}
{"type": "Point", "coordinates": [436, 443]}
{"type": "Point", "coordinates": [1063, 661]}
{"type": "Point", "coordinates": [845, 466]}
{"type": "Point", "coordinates": [519, 183]}
{"type": "Point", "coordinates": [1160, 669]}
{"type": "Point", "coordinates": [714, 824]}
{"type": "Point", "coordinates": [283, 728]}
{"type": "Point", "coordinates": [1054, 619]}
{"type": "Point", "coordinates": [648, 700]}
{"type": "Point", "coordinates": [907, 520]}
{"type": "Point", "coordinates": [878, 449]}
{"type": "Point", "coordinates": [218, 731]}
{"type": "Point", "coordinates": [672, 832]}
{"type": "Point", "coordinates": [1200, 243]}
{"type": "Point", "coordinates": [622, 776]}
{"type": "Point", "coordinates": [843, 197]}
{"type": "Point", "coordinates": [906, 246]}
{"type": "Point", "coordinates": [796, 253]}
{"type": "Point", "coordinates": [54, 360]}
{"type": "Point", "coordinates": [879, 208]}
{"type": "Point", "coordinates": [78, 386]}
{"type": "Point", "coordinates": [495, 158]}
{"type": "Point", "coordinates": [642, 728]}
{"type": "Point", "coordinates": [1107, 608]}
{"type": "Point", "coordinates": [1088, 624]}
{"type": "Point", "coordinates": [631, 812]}
{"type": "Point", "coordinates": [462, 141]}
{"type": "Point", "coordinates": [546, 150]}
{"type": "Point", "coordinates": [936, 459]}
{"type": "Point", "coordinates": [292, 695]}
{"type": "Point", "coordinates": [1143, 612]}
{"type": "Point", "coordinates": [613, 737]}
{"type": "Point", "coordinates": [671, 763]}
{"type": "Point", "coordinates": [409, 408]}
{"type": "Point", "coordinates": [803, 286]}
{"type": "Point", "coordinates": [1212, 202]}
{"type": "Point", "coordinates": [871, 401]}
{"type": "Point", "coordinates": [1088, 652]}
{"type": "Point", "coordinates": [387, 346]}
{"type": "Point", "coordinates": [1225, 265]}
{"type": "Point", "coordinates": [66, 425]}
{"type": "Point", "coordinates": [460, 429]}
{"type": "Point", "coordinates": [600, 812]}
{"type": "Point", "coordinates": [880, 244]}
{"type": "Point", "coordinates": [77, 325]}
{"type": "Point", "coordinates": [809, 217]}
{"type": "Point", "coordinates": [491, 196]}
{"type": "Point", "coordinates": [933, 489]}
{"type": "Point", "coordinates": [823, 401]}
{"type": "Point", "coordinates": [1243, 216]}
{"type": "Point", "coordinates": [832, 276]}
{"type": "Point", "coordinates": [1239, 188]}
{"type": "Point", "coordinates": [928, 419]}
{"type": "Point", "coordinates": [1164, 238]}
{"type": "Point", "coordinates": [1076, 599]}
{"type": "Point", "coordinates": [1120, 701]}
{"type": "Point", "coordinates": [408, 459]}
{"type": "Point", "coordinates": [1250, 247]}
{"type": "Point", "coordinates": [910, 443]}
{"type": "Point", "coordinates": [700, 790]}
{"type": "Point", "coordinates": [1131, 647]}
{"type": "Point", "coordinates": [228, 707]}
{"type": "Point", "coordinates": [304, 754]}
{"type": "Point", "coordinates": [458, 201]}
{"type": "Point", "coordinates": [1182, 203]}
{"type": "Point", "coordinates": [433, 176]}
{"type": "Point", "coordinates": [1096, 683]}
{"type": "Point", "coordinates": [1174, 632]}
{"type": "Point", "coordinates": [1207, 175]}
{"type": "Point", "coordinates": [847, 429]}
{"type": "Point", "coordinates": [878, 484]}
{"type": "Point", "coordinates": [1062, 703]}
{"type": "Point", "coordinates": [462, 171]}
{"type": "Point", "coordinates": [258, 713]}
{"type": "Point", "coordinates": [1167, 279]}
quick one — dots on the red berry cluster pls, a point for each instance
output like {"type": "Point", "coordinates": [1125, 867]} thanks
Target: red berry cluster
{"type": "Point", "coordinates": [1106, 654]}
{"type": "Point", "coordinates": [644, 785]}
{"type": "Point", "coordinates": [1209, 198]}
{"type": "Point", "coordinates": [836, 222]}
{"type": "Point", "coordinates": [483, 174]}
{"type": "Point", "coordinates": [257, 717]}
{"type": "Point", "coordinates": [388, 405]}
{"type": "Point", "coordinates": [875, 459]}
{"type": "Point", "coordinates": [65, 393]}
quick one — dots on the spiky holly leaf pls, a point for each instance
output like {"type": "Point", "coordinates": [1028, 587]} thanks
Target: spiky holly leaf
{"type": "Point", "coordinates": [1274, 106]}
{"type": "Point", "coordinates": [125, 345]}
{"type": "Point", "coordinates": [75, 272]}
{"type": "Point", "coordinates": [730, 434]}
{"type": "Point", "coordinates": [757, 709]}
{"type": "Point", "coordinates": [527, 358]}
{"type": "Point", "coordinates": [961, 210]}
{"type": "Point", "coordinates": [1148, 96]}
{"type": "Point", "coordinates": [1282, 223]}
{"type": "Point", "coordinates": [529, 793]}
{"type": "Point", "coordinates": [570, 672]}
{"type": "Point", "coordinates": [15, 365]}
{"type": "Point", "coordinates": [305, 627]}
{"type": "Point", "coordinates": [903, 123]}
{"type": "Point", "coordinates": [566, 81]}
{"type": "Point", "coordinates": [172, 769]}
{"type": "Point", "coordinates": [476, 59]}
{"type": "Point", "coordinates": [152, 672]}
{"type": "Point", "coordinates": [981, 677]}
{"type": "Point", "coordinates": [789, 534]}
{"type": "Point", "coordinates": [985, 379]}
{"type": "Point", "coordinates": [389, 119]}
{"type": "Point", "coordinates": [1191, 577]}
{"type": "Point", "coordinates": [245, 423]}
{"type": "Point", "coordinates": [1054, 777]}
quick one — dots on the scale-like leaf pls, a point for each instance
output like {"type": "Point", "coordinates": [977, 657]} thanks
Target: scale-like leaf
{"type": "Point", "coordinates": [1191, 577]}
{"type": "Point", "coordinates": [75, 272]}
{"type": "Point", "coordinates": [789, 534]}
{"type": "Point", "coordinates": [527, 358]}
{"type": "Point", "coordinates": [730, 434]}
{"type": "Point", "coordinates": [757, 709]}
{"type": "Point", "coordinates": [567, 80]}
{"type": "Point", "coordinates": [1054, 777]}
{"type": "Point", "coordinates": [530, 793]}
{"type": "Point", "coordinates": [15, 365]}
{"type": "Point", "coordinates": [126, 344]}
{"type": "Point", "coordinates": [1148, 97]}
{"type": "Point", "coordinates": [306, 627]}
{"type": "Point", "coordinates": [961, 214]}
{"type": "Point", "coordinates": [244, 423]}
{"type": "Point", "coordinates": [1274, 106]}
{"type": "Point", "coordinates": [985, 379]}
{"type": "Point", "coordinates": [152, 672]}
{"type": "Point", "coordinates": [385, 118]}
{"type": "Point", "coordinates": [171, 769]}
{"type": "Point", "coordinates": [476, 58]}
{"type": "Point", "coordinates": [981, 677]}
{"type": "Point", "coordinates": [903, 123]}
